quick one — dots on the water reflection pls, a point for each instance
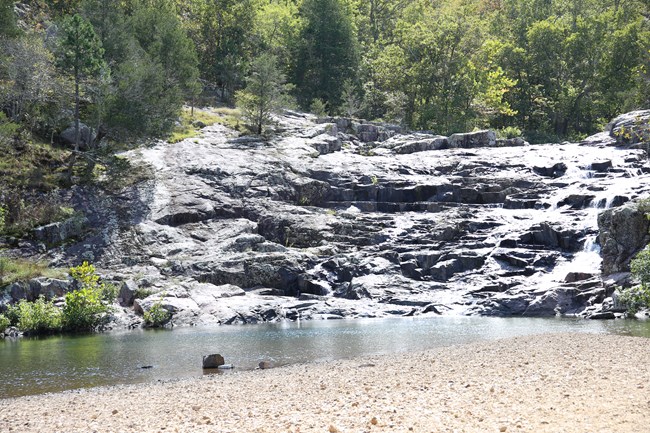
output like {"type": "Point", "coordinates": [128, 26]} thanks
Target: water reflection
{"type": "Point", "coordinates": [32, 366]}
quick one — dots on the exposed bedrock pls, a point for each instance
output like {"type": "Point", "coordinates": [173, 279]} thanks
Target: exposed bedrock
{"type": "Point", "coordinates": [351, 219]}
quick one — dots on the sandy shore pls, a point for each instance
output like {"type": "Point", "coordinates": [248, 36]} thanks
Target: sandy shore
{"type": "Point", "coordinates": [552, 383]}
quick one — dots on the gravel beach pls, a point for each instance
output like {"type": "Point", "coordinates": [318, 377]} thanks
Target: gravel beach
{"type": "Point", "coordinates": [548, 383]}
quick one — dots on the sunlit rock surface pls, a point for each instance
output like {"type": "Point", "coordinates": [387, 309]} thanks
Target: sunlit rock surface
{"type": "Point", "coordinates": [320, 223]}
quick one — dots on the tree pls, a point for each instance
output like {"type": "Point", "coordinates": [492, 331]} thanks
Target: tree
{"type": "Point", "coordinates": [432, 65]}
{"type": "Point", "coordinates": [79, 53]}
{"type": "Point", "coordinates": [163, 70]}
{"type": "Point", "coordinates": [8, 27]}
{"type": "Point", "coordinates": [28, 82]}
{"type": "Point", "coordinates": [153, 66]}
{"type": "Point", "coordinates": [326, 54]}
{"type": "Point", "coordinates": [224, 42]}
{"type": "Point", "coordinates": [265, 93]}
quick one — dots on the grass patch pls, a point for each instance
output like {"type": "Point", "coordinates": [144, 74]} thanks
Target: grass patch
{"type": "Point", "coordinates": [230, 117]}
{"type": "Point", "coordinates": [14, 270]}
{"type": "Point", "coordinates": [33, 165]}
{"type": "Point", "coordinates": [190, 125]}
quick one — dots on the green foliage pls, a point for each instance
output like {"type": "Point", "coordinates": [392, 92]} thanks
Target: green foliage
{"type": "Point", "coordinates": [4, 322]}
{"type": "Point", "coordinates": [157, 316]}
{"type": "Point", "coordinates": [87, 278]}
{"type": "Point", "coordinates": [326, 53]}
{"type": "Point", "coordinates": [79, 50]}
{"type": "Point", "coordinates": [635, 298]}
{"type": "Point", "coordinates": [79, 53]}
{"type": "Point", "coordinates": [638, 297]}
{"type": "Point", "coordinates": [38, 317]}
{"type": "Point", "coordinates": [553, 68]}
{"type": "Point", "coordinates": [222, 31]}
{"type": "Point", "coordinates": [265, 93]}
{"type": "Point", "coordinates": [351, 104]}
{"type": "Point", "coordinates": [87, 307]}
{"type": "Point", "coordinates": [188, 125]}
{"type": "Point", "coordinates": [83, 310]}
{"type": "Point", "coordinates": [3, 217]}
{"type": "Point", "coordinates": [640, 267]}
{"type": "Point", "coordinates": [142, 292]}
{"type": "Point", "coordinates": [25, 211]}
{"type": "Point", "coordinates": [8, 27]}
{"type": "Point", "coordinates": [318, 107]}
{"type": "Point", "coordinates": [509, 132]}
{"type": "Point", "coordinates": [31, 93]}
{"type": "Point", "coordinates": [8, 130]}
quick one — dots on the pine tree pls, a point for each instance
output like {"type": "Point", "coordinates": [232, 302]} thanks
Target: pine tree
{"type": "Point", "coordinates": [326, 55]}
{"type": "Point", "coordinates": [265, 93]}
{"type": "Point", "coordinates": [79, 53]}
{"type": "Point", "coordinates": [8, 25]}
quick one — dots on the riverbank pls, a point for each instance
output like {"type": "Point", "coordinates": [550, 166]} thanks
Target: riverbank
{"type": "Point", "coordinates": [549, 383]}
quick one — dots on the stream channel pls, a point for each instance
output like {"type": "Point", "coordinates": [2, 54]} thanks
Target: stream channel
{"type": "Point", "coordinates": [38, 365]}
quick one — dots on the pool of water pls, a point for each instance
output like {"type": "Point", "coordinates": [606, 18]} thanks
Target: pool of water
{"type": "Point", "coordinates": [38, 365]}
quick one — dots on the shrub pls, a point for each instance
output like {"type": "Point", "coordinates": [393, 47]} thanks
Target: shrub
{"type": "Point", "coordinates": [157, 315]}
{"type": "Point", "coordinates": [87, 277]}
{"type": "Point", "coordinates": [318, 107]}
{"type": "Point", "coordinates": [142, 292]}
{"type": "Point", "coordinates": [509, 132]}
{"type": "Point", "coordinates": [638, 297]}
{"type": "Point", "coordinates": [640, 267]}
{"type": "Point", "coordinates": [84, 310]}
{"type": "Point", "coordinates": [634, 298]}
{"type": "Point", "coordinates": [38, 317]}
{"type": "Point", "coordinates": [4, 322]}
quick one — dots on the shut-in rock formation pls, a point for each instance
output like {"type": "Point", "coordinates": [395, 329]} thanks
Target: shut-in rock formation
{"type": "Point", "coordinates": [338, 219]}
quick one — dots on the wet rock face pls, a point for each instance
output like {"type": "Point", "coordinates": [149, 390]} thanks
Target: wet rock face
{"type": "Point", "coordinates": [240, 230]}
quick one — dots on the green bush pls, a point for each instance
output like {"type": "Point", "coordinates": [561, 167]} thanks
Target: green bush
{"type": "Point", "coordinates": [640, 267]}
{"type": "Point", "coordinates": [87, 277]}
{"type": "Point", "coordinates": [142, 292]}
{"type": "Point", "coordinates": [4, 322]}
{"type": "Point", "coordinates": [634, 298]}
{"type": "Point", "coordinates": [638, 297]}
{"type": "Point", "coordinates": [13, 315]}
{"type": "Point", "coordinates": [87, 307]}
{"type": "Point", "coordinates": [318, 107]}
{"type": "Point", "coordinates": [84, 310]}
{"type": "Point", "coordinates": [157, 315]}
{"type": "Point", "coordinates": [38, 317]}
{"type": "Point", "coordinates": [509, 132]}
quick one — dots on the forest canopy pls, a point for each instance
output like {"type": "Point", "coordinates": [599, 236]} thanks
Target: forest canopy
{"type": "Point", "coordinates": [552, 68]}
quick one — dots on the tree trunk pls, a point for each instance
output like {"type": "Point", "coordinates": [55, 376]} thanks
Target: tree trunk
{"type": "Point", "coordinates": [73, 157]}
{"type": "Point", "coordinates": [77, 132]}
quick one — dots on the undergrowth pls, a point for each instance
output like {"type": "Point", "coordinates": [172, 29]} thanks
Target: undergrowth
{"type": "Point", "coordinates": [15, 269]}
{"type": "Point", "coordinates": [190, 125]}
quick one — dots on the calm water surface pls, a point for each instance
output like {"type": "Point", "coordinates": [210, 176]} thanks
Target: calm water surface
{"type": "Point", "coordinates": [33, 366]}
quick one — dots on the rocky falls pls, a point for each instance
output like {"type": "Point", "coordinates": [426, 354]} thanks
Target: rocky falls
{"type": "Point", "coordinates": [334, 218]}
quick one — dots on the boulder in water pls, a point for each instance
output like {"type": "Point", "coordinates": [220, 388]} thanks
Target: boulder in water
{"type": "Point", "coordinates": [213, 361]}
